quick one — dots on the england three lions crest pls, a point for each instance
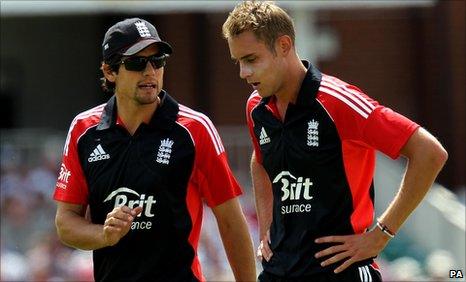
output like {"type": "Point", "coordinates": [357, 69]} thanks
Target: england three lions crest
{"type": "Point", "coordinates": [164, 152]}
{"type": "Point", "coordinates": [313, 133]}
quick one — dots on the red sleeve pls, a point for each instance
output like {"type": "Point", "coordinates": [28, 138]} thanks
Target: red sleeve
{"type": "Point", "coordinates": [388, 131]}
{"type": "Point", "coordinates": [71, 185]}
{"type": "Point", "coordinates": [253, 101]}
{"type": "Point", "coordinates": [212, 173]}
{"type": "Point", "coordinates": [360, 118]}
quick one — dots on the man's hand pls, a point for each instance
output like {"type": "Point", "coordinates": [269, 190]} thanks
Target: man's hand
{"type": "Point", "coordinates": [264, 251]}
{"type": "Point", "coordinates": [352, 248]}
{"type": "Point", "coordinates": [118, 223]}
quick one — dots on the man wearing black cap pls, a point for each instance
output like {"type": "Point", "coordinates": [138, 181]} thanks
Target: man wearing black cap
{"type": "Point", "coordinates": [142, 165]}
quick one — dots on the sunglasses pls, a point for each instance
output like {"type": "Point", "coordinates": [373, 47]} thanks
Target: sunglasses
{"type": "Point", "coordinates": [137, 63]}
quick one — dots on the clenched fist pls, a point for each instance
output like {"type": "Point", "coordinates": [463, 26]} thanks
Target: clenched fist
{"type": "Point", "coordinates": [118, 223]}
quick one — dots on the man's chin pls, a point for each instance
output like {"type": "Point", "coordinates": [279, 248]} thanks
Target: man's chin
{"type": "Point", "coordinates": [263, 94]}
{"type": "Point", "coordinates": [146, 99]}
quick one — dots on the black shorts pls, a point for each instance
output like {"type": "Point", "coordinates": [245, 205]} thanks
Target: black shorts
{"type": "Point", "coordinates": [365, 273]}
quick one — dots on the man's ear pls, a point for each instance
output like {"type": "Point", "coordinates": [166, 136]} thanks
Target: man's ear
{"type": "Point", "coordinates": [284, 44]}
{"type": "Point", "coordinates": [109, 74]}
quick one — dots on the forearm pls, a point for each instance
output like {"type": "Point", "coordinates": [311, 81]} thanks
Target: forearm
{"type": "Point", "coordinates": [75, 231]}
{"type": "Point", "coordinates": [426, 157]}
{"type": "Point", "coordinates": [413, 188]}
{"type": "Point", "coordinates": [262, 195]}
{"type": "Point", "coordinates": [425, 160]}
{"type": "Point", "coordinates": [239, 250]}
{"type": "Point", "coordinates": [236, 239]}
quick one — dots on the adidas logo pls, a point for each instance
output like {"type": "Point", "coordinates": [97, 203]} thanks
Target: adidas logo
{"type": "Point", "coordinates": [263, 138]}
{"type": "Point", "coordinates": [98, 154]}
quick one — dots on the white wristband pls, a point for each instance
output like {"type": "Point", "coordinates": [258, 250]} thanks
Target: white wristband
{"type": "Point", "coordinates": [385, 229]}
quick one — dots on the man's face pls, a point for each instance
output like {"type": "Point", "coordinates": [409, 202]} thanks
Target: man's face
{"type": "Point", "coordinates": [258, 65]}
{"type": "Point", "coordinates": [142, 87]}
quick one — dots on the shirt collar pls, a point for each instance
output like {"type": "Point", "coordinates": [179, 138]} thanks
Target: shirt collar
{"type": "Point", "coordinates": [164, 116]}
{"type": "Point", "coordinates": [309, 86]}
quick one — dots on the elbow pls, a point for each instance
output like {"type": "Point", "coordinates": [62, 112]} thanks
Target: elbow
{"type": "Point", "coordinates": [60, 226]}
{"type": "Point", "coordinates": [439, 155]}
{"type": "Point", "coordinates": [443, 156]}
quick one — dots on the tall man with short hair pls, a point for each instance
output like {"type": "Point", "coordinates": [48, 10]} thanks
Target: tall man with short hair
{"type": "Point", "coordinates": [312, 167]}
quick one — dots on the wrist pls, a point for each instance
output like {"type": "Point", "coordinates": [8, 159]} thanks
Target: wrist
{"type": "Point", "coordinates": [103, 239]}
{"type": "Point", "coordinates": [384, 229]}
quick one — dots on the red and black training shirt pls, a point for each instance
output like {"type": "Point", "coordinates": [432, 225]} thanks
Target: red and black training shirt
{"type": "Point", "coordinates": [321, 162]}
{"type": "Point", "coordinates": [169, 167]}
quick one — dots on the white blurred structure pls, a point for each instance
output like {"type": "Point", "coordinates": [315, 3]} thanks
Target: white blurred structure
{"type": "Point", "coordinates": [437, 223]}
{"type": "Point", "coordinates": [51, 7]}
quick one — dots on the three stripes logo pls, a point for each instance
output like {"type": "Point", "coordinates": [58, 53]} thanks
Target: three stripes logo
{"type": "Point", "coordinates": [98, 154]}
{"type": "Point", "coordinates": [365, 274]}
{"type": "Point", "coordinates": [263, 138]}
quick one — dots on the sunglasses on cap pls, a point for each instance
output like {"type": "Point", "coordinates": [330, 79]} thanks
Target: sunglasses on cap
{"type": "Point", "coordinates": [138, 63]}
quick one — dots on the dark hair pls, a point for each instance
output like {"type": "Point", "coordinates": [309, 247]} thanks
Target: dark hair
{"type": "Point", "coordinates": [108, 87]}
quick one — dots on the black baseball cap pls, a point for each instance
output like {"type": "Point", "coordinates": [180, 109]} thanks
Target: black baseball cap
{"type": "Point", "coordinates": [127, 37]}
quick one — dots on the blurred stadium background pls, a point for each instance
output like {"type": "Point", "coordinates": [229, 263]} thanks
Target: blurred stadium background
{"type": "Point", "coordinates": [409, 55]}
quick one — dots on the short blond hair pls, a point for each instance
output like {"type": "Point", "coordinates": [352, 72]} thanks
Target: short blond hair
{"type": "Point", "coordinates": [265, 19]}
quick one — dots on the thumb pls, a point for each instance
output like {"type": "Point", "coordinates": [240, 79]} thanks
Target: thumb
{"type": "Point", "coordinates": [136, 211]}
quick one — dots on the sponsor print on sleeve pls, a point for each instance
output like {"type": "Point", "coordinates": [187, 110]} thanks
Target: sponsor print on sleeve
{"type": "Point", "coordinates": [63, 177]}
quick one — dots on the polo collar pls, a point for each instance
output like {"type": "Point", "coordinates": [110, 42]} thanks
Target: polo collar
{"type": "Point", "coordinates": [309, 86]}
{"type": "Point", "coordinates": [164, 116]}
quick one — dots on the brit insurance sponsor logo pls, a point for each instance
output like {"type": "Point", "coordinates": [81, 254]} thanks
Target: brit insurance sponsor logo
{"type": "Point", "coordinates": [125, 196]}
{"type": "Point", "coordinates": [98, 154]}
{"type": "Point", "coordinates": [63, 177]}
{"type": "Point", "coordinates": [296, 192]}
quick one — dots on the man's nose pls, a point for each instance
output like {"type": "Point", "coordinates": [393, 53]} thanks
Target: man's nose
{"type": "Point", "coordinates": [150, 69]}
{"type": "Point", "coordinates": [244, 71]}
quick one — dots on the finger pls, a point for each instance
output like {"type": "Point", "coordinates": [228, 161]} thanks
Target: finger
{"type": "Point", "coordinates": [331, 239]}
{"type": "Point", "coordinates": [259, 253]}
{"type": "Point", "coordinates": [344, 265]}
{"type": "Point", "coordinates": [332, 250]}
{"type": "Point", "coordinates": [122, 215]}
{"type": "Point", "coordinates": [136, 211]}
{"type": "Point", "coordinates": [111, 229]}
{"type": "Point", "coordinates": [120, 212]}
{"type": "Point", "coordinates": [335, 258]}
{"type": "Point", "coordinates": [268, 237]}
{"type": "Point", "coordinates": [124, 209]}
{"type": "Point", "coordinates": [116, 222]}
{"type": "Point", "coordinates": [266, 251]}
